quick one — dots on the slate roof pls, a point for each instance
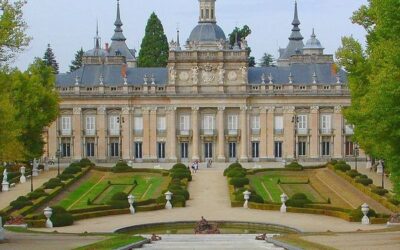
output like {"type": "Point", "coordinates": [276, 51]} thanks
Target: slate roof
{"type": "Point", "coordinates": [207, 32]}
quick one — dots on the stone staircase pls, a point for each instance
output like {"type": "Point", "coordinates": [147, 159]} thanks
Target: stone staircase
{"type": "Point", "coordinates": [210, 242]}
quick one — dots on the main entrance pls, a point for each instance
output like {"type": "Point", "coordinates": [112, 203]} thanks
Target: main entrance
{"type": "Point", "coordinates": [208, 150]}
{"type": "Point", "coordinates": [232, 151]}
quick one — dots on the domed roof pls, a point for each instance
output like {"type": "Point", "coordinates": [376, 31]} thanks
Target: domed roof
{"type": "Point", "coordinates": [207, 32]}
{"type": "Point", "coordinates": [96, 52]}
{"type": "Point", "coordinates": [313, 43]}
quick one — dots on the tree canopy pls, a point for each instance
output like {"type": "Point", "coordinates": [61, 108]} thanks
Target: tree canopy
{"type": "Point", "coordinates": [374, 81]}
{"type": "Point", "coordinates": [154, 48]}
{"type": "Point", "coordinates": [236, 37]}
{"type": "Point", "coordinates": [77, 62]}
{"type": "Point", "coordinates": [267, 60]}
{"type": "Point", "coordinates": [50, 59]}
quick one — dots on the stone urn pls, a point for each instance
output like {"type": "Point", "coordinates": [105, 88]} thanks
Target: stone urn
{"type": "Point", "coordinates": [131, 200]}
{"type": "Point", "coordinates": [284, 199]}
{"type": "Point", "coordinates": [48, 212]}
{"type": "Point", "coordinates": [5, 185]}
{"type": "Point", "coordinates": [168, 197]}
{"type": "Point", "coordinates": [246, 196]}
{"type": "Point", "coordinates": [365, 210]}
{"type": "Point", "coordinates": [22, 179]}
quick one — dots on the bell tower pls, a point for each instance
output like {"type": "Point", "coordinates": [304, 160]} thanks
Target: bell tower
{"type": "Point", "coordinates": [207, 11]}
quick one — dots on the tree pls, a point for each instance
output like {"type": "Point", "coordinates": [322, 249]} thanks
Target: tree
{"type": "Point", "coordinates": [267, 60]}
{"type": "Point", "coordinates": [12, 33]}
{"type": "Point", "coordinates": [236, 37]}
{"type": "Point", "coordinates": [374, 81]}
{"type": "Point", "coordinates": [154, 48]}
{"type": "Point", "coordinates": [36, 101]}
{"type": "Point", "coordinates": [77, 62]}
{"type": "Point", "coordinates": [50, 59]}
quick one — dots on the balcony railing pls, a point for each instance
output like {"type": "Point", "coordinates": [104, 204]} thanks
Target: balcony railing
{"type": "Point", "coordinates": [65, 132]}
{"type": "Point", "coordinates": [113, 132]}
{"type": "Point", "coordinates": [279, 131]}
{"type": "Point", "coordinates": [326, 131]}
{"type": "Point", "coordinates": [303, 131]}
{"type": "Point", "coordinates": [255, 131]}
{"type": "Point", "coordinates": [161, 132]}
{"type": "Point", "coordinates": [232, 132]}
{"type": "Point", "coordinates": [185, 132]}
{"type": "Point", "coordinates": [208, 132]}
{"type": "Point", "coordinates": [89, 132]}
{"type": "Point", "coordinates": [138, 132]}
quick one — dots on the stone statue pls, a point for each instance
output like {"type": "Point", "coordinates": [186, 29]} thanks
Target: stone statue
{"type": "Point", "coordinates": [172, 45]}
{"type": "Point", "coordinates": [204, 227]}
{"type": "Point", "coordinates": [244, 44]}
{"type": "Point", "coordinates": [244, 72]}
{"type": "Point", "coordinates": [221, 44]}
{"type": "Point", "coordinates": [5, 176]}
{"type": "Point", "coordinates": [195, 75]}
{"type": "Point", "coordinates": [221, 75]}
{"type": "Point", "coordinates": [172, 74]}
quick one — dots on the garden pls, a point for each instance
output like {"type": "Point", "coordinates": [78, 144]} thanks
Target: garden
{"type": "Point", "coordinates": [84, 190]}
{"type": "Point", "coordinates": [316, 190]}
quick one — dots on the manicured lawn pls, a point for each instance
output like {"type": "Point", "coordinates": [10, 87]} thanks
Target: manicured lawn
{"type": "Point", "coordinates": [112, 243]}
{"type": "Point", "coordinates": [101, 186]}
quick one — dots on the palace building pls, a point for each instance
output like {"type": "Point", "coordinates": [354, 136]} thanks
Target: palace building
{"type": "Point", "coordinates": [206, 104]}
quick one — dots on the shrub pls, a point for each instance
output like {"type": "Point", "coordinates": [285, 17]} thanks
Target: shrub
{"type": "Point", "coordinates": [37, 194]}
{"type": "Point", "coordinates": [380, 191]}
{"type": "Point", "coordinates": [357, 215]}
{"type": "Point", "coordinates": [236, 173]}
{"type": "Point", "coordinates": [121, 167]}
{"type": "Point", "coordinates": [120, 196]}
{"type": "Point", "coordinates": [85, 162]}
{"type": "Point", "coordinates": [72, 169]}
{"type": "Point", "coordinates": [181, 174]}
{"type": "Point", "coordinates": [119, 200]}
{"type": "Point", "coordinates": [21, 202]}
{"type": "Point", "coordinates": [75, 164]}
{"type": "Point", "coordinates": [364, 181]}
{"type": "Point", "coordinates": [179, 166]}
{"type": "Point", "coordinates": [65, 177]}
{"type": "Point", "coordinates": [239, 182]}
{"type": "Point", "coordinates": [61, 217]}
{"type": "Point", "coordinates": [333, 162]}
{"type": "Point", "coordinates": [394, 201]}
{"type": "Point", "coordinates": [342, 166]}
{"type": "Point", "coordinates": [178, 199]}
{"type": "Point", "coordinates": [298, 200]}
{"type": "Point", "coordinates": [294, 165]}
{"type": "Point", "coordinates": [256, 198]}
{"type": "Point", "coordinates": [353, 173]}
{"type": "Point", "coordinates": [53, 183]}
{"type": "Point", "coordinates": [235, 165]}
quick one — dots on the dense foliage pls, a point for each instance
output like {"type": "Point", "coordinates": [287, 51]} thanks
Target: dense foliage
{"type": "Point", "coordinates": [154, 48]}
{"type": "Point", "coordinates": [236, 37]}
{"type": "Point", "coordinates": [50, 59]}
{"type": "Point", "coordinates": [374, 80]}
{"type": "Point", "coordinates": [298, 200]}
{"type": "Point", "coordinates": [77, 62]}
{"type": "Point", "coordinates": [61, 218]}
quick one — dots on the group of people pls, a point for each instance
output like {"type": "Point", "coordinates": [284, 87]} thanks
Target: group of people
{"type": "Point", "coordinates": [196, 164]}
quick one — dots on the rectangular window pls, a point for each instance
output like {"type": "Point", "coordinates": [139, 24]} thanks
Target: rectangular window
{"type": "Point", "coordinates": [302, 125]}
{"type": "Point", "coordinates": [114, 149]}
{"type": "Point", "coordinates": [66, 150]}
{"type": "Point", "coordinates": [232, 150]}
{"type": "Point", "coordinates": [89, 149]}
{"type": "Point", "coordinates": [66, 125]}
{"type": "Point", "coordinates": [138, 150]}
{"type": "Point", "coordinates": [212, 13]}
{"type": "Point", "coordinates": [185, 150]}
{"type": "Point", "coordinates": [278, 124]}
{"type": "Point", "coordinates": [326, 146]}
{"type": "Point", "coordinates": [302, 146]}
{"type": "Point", "coordinates": [232, 122]}
{"type": "Point", "coordinates": [161, 123]}
{"type": "Point", "coordinates": [161, 150]}
{"type": "Point", "coordinates": [255, 122]}
{"type": "Point", "coordinates": [138, 124]}
{"type": "Point", "coordinates": [208, 150]}
{"type": "Point", "coordinates": [326, 124]}
{"type": "Point", "coordinates": [114, 125]}
{"type": "Point", "coordinates": [207, 13]}
{"type": "Point", "coordinates": [209, 124]}
{"type": "Point", "coordinates": [184, 122]}
{"type": "Point", "coordinates": [278, 149]}
{"type": "Point", "coordinates": [349, 147]}
{"type": "Point", "coordinates": [255, 150]}
{"type": "Point", "coordinates": [90, 126]}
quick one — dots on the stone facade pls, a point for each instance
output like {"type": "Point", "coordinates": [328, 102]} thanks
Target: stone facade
{"type": "Point", "coordinates": [207, 104]}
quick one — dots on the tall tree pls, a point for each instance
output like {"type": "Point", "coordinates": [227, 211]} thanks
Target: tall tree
{"type": "Point", "coordinates": [236, 37]}
{"type": "Point", "coordinates": [154, 48]}
{"type": "Point", "coordinates": [267, 60]}
{"type": "Point", "coordinates": [77, 62]}
{"type": "Point", "coordinates": [50, 59]}
{"type": "Point", "coordinates": [36, 101]}
{"type": "Point", "coordinates": [12, 32]}
{"type": "Point", "coordinates": [374, 80]}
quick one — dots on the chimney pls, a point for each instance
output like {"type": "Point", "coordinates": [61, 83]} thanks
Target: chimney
{"type": "Point", "coordinates": [107, 47]}
{"type": "Point", "coordinates": [123, 71]}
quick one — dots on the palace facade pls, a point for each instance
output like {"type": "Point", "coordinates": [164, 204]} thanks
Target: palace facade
{"type": "Point", "coordinates": [206, 104]}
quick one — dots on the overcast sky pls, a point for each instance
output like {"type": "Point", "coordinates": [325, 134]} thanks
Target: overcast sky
{"type": "Point", "coordinates": [69, 25]}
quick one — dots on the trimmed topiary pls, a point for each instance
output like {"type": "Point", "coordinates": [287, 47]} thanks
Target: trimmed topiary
{"type": "Point", "coordinates": [380, 191]}
{"type": "Point", "coordinates": [37, 194]}
{"type": "Point", "coordinates": [121, 167]}
{"type": "Point", "coordinates": [53, 183]}
{"type": "Point", "coordinates": [236, 173]}
{"type": "Point", "coordinates": [72, 169]}
{"type": "Point", "coordinates": [21, 202]}
{"type": "Point", "coordinates": [180, 174]}
{"type": "Point", "coordinates": [294, 165]}
{"type": "Point", "coordinates": [179, 166]}
{"type": "Point", "coordinates": [256, 198]}
{"type": "Point", "coordinates": [342, 166]}
{"type": "Point", "coordinates": [85, 162]}
{"type": "Point", "coordinates": [65, 177]}
{"type": "Point", "coordinates": [61, 218]}
{"type": "Point", "coordinates": [357, 214]}
{"type": "Point", "coordinates": [298, 200]}
{"type": "Point", "coordinates": [364, 181]}
{"type": "Point", "coordinates": [119, 200]}
{"type": "Point", "coordinates": [239, 182]}
{"type": "Point", "coordinates": [353, 173]}
{"type": "Point", "coordinates": [394, 201]}
{"type": "Point", "coordinates": [235, 165]}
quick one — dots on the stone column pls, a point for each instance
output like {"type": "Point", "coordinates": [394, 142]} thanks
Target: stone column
{"type": "Point", "coordinates": [270, 132]}
{"type": "Point", "coordinates": [171, 135]}
{"type": "Point", "coordinates": [314, 125]}
{"type": "Point", "coordinates": [153, 133]}
{"type": "Point", "coordinates": [126, 133]}
{"type": "Point", "coordinates": [337, 125]}
{"type": "Point", "coordinates": [146, 133]}
{"type": "Point", "coordinates": [244, 141]}
{"type": "Point", "coordinates": [221, 134]}
{"type": "Point", "coordinates": [288, 126]}
{"type": "Point", "coordinates": [263, 133]}
{"type": "Point", "coordinates": [52, 140]}
{"type": "Point", "coordinates": [195, 127]}
{"type": "Point", "coordinates": [77, 134]}
{"type": "Point", "coordinates": [101, 127]}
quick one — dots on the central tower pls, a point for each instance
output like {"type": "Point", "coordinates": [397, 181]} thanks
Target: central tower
{"type": "Point", "coordinates": [207, 11]}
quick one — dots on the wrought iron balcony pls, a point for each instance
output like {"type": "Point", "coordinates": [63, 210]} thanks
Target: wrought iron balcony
{"type": "Point", "coordinates": [326, 131]}
{"type": "Point", "coordinates": [303, 131]}
{"type": "Point", "coordinates": [279, 131]}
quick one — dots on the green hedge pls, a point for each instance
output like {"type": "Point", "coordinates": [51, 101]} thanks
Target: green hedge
{"type": "Point", "coordinates": [364, 181]}
{"type": "Point", "coordinates": [298, 200]}
{"type": "Point", "coordinates": [233, 166]}
{"type": "Point", "coordinates": [37, 194]}
{"type": "Point", "coordinates": [61, 218]}
{"type": "Point", "coordinates": [53, 183]}
{"type": "Point", "coordinates": [294, 165]}
{"type": "Point", "coordinates": [357, 215]}
{"type": "Point", "coordinates": [239, 182]}
{"type": "Point", "coordinates": [21, 202]}
{"type": "Point", "coordinates": [342, 166]}
{"type": "Point", "coordinates": [121, 167]}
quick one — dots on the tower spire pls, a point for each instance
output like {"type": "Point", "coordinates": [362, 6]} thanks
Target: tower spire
{"type": "Point", "coordinates": [97, 38]}
{"type": "Point", "coordinates": [207, 11]}
{"type": "Point", "coordinates": [296, 35]}
{"type": "Point", "coordinates": [118, 35]}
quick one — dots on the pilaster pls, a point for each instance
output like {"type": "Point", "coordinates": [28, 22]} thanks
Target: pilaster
{"type": "Point", "coordinates": [171, 138]}
{"type": "Point", "coordinates": [195, 127]}
{"type": "Point", "coordinates": [77, 124]}
{"type": "Point", "coordinates": [338, 132]}
{"type": "Point", "coordinates": [270, 132]}
{"type": "Point", "coordinates": [288, 128]}
{"type": "Point", "coordinates": [263, 133]}
{"type": "Point", "coordinates": [221, 134]}
{"type": "Point", "coordinates": [126, 133]}
{"type": "Point", "coordinates": [101, 127]}
{"type": "Point", "coordinates": [244, 128]}
{"type": "Point", "coordinates": [314, 139]}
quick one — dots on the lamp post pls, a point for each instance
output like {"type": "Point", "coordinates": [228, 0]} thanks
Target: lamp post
{"type": "Point", "coordinates": [120, 120]}
{"type": "Point", "coordinates": [295, 120]}
{"type": "Point", "coordinates": [356, 148]}
{"type": "Point", "coordinates": [31, 163]}
{"type": "Point", "coordinates": [58, 154]}
{"type": "Point", "coordinates": [383, 173]}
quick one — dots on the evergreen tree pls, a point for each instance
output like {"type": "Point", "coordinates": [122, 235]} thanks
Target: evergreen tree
{"type": "Point", "coordinates": [374, 81]}
{"type": "Point", "coordinates": [77, 62]}
{"type": "Point", "coordinates": [237, 35]}
{"type": "Point", "coordinates": [50, 59]}
{"type": "Point", "coordinates": [267, 60]}
{"type": "Point", "coordinates": [154, 48]}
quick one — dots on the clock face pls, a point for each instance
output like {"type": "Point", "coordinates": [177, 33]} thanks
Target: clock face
{"type": "Point", "coordinates": [232, 76]}
{"type": "Point", "coordinates": [184, 76]}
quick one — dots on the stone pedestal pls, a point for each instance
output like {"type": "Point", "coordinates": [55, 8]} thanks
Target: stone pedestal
{"type": "Point", "coordinates": [365, 210]}
{"type": "Point", "coordinates": [48, 212]}
{"type": "Point", "coordinates": [131, 199]}
{"type": "Point", "coordinates": [6, 186]}
{"type": "Point", "coordinates": [379, 168]}
{"type": "Point", "coordinates": [168, 197]}
{"type": "Point", "coordinates": [246, 195]}
{"type": "Point", "coordinates": [22, 179]}
{"type": "Point", "coordinates": [284, 199]}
